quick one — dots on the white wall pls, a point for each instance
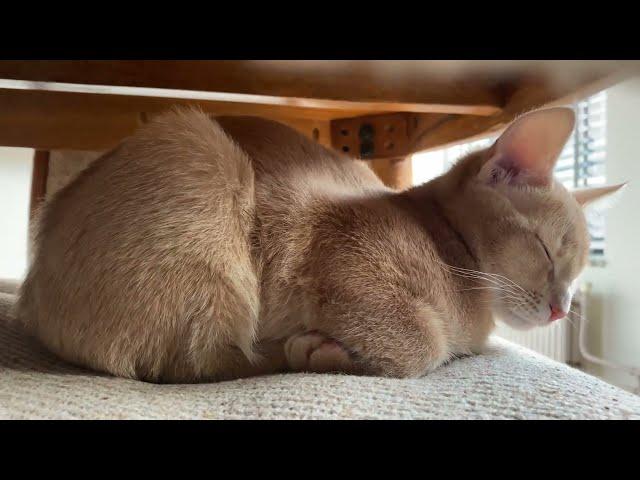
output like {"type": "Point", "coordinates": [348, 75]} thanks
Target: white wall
{"type": "Point", "coordinates": [614, 311]}
{"type": "Point", "coordinates": [15, 192]}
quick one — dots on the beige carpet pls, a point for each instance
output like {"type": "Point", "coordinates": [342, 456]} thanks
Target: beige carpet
{"type": "Point", "coordinates": [508, 382]}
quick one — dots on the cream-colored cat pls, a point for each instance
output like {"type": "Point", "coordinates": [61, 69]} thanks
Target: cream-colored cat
{"type": "Point", "coordinates": [205, 250]}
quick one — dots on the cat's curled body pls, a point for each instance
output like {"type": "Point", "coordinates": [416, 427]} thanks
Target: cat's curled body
{"type": "Point", "coordinates": [204, 249]}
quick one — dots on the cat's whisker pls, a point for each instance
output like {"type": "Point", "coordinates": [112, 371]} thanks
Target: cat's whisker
{"type": "Point", "coordinates": [484, 288]}
{"type": "Point", "coordinates": [493, 276]}
{"type": "Point", "coordinates": [480, 277]}
{"type": "Point", "coordinates": [490, 277]}
{"type": "Point", "coordinates": [572, 321]}
{"type": "Point", "coordinates": [577, 314]}
{"type": "Point", "coordinates": [501, 288]}
{"type": "Point", "coordinates": [510, 282]}
{"type": "Point", "coordinates": [502, 294]}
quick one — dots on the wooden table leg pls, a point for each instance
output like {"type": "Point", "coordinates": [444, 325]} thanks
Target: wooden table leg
{"type": "Point", "coordinates": [38, 180]}
{"type": "Point", "coordinates": [394, 172]}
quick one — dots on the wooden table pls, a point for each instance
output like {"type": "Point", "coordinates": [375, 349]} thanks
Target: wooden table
{"type": "Point", "coordinates": [382, 111]}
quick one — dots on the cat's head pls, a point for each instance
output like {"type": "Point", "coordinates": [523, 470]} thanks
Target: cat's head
{"type": "Point", "coordinates": [538, 242]}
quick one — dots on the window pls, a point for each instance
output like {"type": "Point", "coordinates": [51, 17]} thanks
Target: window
{"type": "Point", "coordinates": [15, 194]}
{"type": "Point", "coordinates": [581, 163]}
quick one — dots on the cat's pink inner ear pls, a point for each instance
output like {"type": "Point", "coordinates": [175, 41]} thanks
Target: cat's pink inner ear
{"type": "Point", "coordinates": [528, 150]}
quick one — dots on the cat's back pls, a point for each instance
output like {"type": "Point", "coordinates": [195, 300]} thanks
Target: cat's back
{"type": "Point", "coordinates": [277, 151]}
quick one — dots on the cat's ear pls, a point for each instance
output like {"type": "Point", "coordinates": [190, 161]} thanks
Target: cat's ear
{"type": "Point", "coordinates": [527, 151]}
{"type": "Point", "coordinates": [600, 197]}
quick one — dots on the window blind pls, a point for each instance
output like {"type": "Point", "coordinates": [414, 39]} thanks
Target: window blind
{"type": "Point", "coordinates": [582, 162]}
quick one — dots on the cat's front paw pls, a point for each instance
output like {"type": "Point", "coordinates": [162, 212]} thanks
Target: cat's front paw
{"type": "Point", "coordinates": [315, 352]}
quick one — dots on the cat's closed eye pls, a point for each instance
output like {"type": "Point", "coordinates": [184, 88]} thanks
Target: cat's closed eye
{"type": "Point", "coordinates": [546, 251]}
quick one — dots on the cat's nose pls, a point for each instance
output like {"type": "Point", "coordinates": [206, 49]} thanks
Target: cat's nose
{"type": "Point", "coordinates": [556, 313]}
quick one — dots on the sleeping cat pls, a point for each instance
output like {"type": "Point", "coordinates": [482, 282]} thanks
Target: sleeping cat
{"type": "Point", "coordinates": [202, 250]}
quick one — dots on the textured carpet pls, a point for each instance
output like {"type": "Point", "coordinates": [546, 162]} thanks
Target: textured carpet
{"type": "Point", "coordinates": [507, 382]}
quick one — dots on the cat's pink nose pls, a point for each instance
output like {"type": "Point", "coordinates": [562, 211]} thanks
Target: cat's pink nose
{"type": "Point", "coordinates": [556, 313]}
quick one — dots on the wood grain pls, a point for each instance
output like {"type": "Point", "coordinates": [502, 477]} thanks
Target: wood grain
{"type": "Point", "coordinates": [46, 119]}
{"type": "Point", "coordinates": [362, 86]}
{"type": "Point", "coordinates": [530, 94]}
{"type": "Point", "coordinates": [60, 120]}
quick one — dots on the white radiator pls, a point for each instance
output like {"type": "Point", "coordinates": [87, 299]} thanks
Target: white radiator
{"type": "Point", "coordinates": [558, 340]}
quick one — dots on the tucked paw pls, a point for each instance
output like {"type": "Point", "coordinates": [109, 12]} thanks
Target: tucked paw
{"type": "Point", "coordinates": [315, 352]}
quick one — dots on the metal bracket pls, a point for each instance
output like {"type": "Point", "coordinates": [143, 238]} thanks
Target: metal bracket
{"type": "Point", "coordinates": [372, 136]}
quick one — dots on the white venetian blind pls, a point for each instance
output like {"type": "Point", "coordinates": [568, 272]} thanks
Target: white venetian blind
{"type": "Point", "coordinates": [582, 163]}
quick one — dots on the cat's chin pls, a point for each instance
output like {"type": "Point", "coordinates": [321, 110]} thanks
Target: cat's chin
{"type": "Point", "coordinates": [515, 321]}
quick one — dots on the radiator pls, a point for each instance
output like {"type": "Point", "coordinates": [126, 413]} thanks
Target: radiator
{"type": "Point", "coordinates": [560, 340]}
